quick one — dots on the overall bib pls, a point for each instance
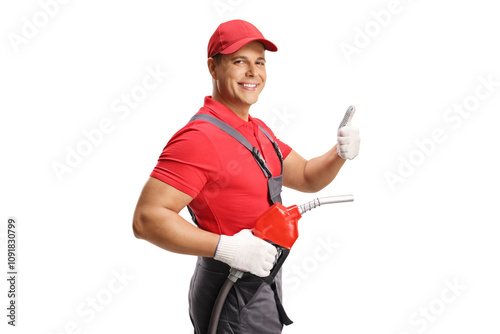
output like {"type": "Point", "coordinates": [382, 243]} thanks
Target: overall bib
{"type": "Point", "coordinates": [252, 305]}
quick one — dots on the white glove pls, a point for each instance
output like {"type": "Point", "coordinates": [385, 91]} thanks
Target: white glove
{"type": "Point", "coordinates": [348, 137]}
{"type": "Point", "coordinates": [246, 252]}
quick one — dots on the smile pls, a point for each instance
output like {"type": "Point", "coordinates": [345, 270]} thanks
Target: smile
{"type": "Point", "coordinates": [248, 86]}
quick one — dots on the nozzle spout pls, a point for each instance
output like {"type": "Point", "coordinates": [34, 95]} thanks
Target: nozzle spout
{"type": "Point", "coordinates": [324, 200]}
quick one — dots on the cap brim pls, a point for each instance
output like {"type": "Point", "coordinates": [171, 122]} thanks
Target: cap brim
{"type": "Point", "coordinates": [268, 45]}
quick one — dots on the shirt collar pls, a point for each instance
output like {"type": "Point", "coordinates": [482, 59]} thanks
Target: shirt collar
{"type": "Point", "coordinates": [225, 114]}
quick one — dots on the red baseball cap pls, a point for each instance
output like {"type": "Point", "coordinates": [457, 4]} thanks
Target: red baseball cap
{"type": "Point", "coordinates": [232, 35]}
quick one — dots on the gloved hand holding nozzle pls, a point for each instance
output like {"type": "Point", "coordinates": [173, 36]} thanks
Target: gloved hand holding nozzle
{"type": "Point", "coordinates": [246, 252]}
{"type": "Point", "coordinates": [348, 136]}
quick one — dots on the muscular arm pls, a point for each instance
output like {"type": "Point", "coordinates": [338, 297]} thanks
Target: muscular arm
{"type": "Point", "coordinates": [157, 220]}
{"type": "Point", "coordinates": [311, 175]}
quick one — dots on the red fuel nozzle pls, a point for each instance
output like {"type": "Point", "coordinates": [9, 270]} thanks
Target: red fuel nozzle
{"type": "Point", "coordinates": [278, 225]}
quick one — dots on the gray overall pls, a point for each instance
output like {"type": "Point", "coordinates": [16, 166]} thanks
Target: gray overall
{"type": "Point", "coordinates": [252, 305]}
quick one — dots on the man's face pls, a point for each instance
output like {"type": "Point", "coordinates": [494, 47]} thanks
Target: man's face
{"type": "Point", "coordinates": [241, 76]}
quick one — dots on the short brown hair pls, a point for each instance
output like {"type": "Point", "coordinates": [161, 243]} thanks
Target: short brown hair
{"type": "Point", "coordinates": [217, 58]}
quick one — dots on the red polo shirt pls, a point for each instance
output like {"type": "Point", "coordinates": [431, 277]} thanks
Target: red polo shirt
{"type": "Point", "coordinates": [228, 187]}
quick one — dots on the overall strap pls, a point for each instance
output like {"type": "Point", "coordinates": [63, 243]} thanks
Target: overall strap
{"type": "Point", "coordinates": [240, 138]}
{"type": "Point", "coordinates": [275, 145]}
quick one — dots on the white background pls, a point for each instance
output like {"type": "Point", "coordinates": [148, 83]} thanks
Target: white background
{"type": "Point", "coordinates": [396, 247]}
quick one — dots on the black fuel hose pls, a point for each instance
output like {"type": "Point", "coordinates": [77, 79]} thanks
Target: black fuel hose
{"type": "Point", "coordinates": [234, 275]}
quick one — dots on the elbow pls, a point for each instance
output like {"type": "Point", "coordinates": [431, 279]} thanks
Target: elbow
{"type": "Point", "coordinates": [138, 226]}
{"type": "Point", "coordinates": [312, 189]}
{"type": "Point", "coordinates": [306, 188]}
{"type": "Point", "coordinates": [311, 186]}
{"type": "Point", "coordinates": [312, 181]}
{"type": "Point", "coordinates": [137, 230]}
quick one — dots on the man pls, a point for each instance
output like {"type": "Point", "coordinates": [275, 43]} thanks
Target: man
{"type": "Point", "coordinates": [227, 183]}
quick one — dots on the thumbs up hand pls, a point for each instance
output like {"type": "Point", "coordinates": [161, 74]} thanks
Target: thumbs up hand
{"type": "Point", "coordinates": [348, 136]}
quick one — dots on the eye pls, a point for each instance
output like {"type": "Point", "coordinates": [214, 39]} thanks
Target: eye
{"type": "Point", "coordinates": [238, 62]}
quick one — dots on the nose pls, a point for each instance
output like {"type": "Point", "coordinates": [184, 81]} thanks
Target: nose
{"type": "Point", "coordinates": [251, 70]}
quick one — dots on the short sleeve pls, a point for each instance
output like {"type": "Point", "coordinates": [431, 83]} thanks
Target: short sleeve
{"type": "Point", "coordinates": [188, 162]}
{"type": "Point", "coordinates": [284, 148]}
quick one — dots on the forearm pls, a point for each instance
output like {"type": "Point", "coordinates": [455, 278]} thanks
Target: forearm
{"type": "Point", "coordinates": [168, 230]}
{"type": "Point", "coordinates": [320, 171]}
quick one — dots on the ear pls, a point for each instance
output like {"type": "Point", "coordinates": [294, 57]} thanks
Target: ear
{"type": "Point", "coordinates": [212, 67]}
